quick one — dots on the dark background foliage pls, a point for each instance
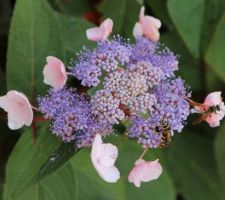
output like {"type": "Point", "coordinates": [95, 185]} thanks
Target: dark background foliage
{"type": "Point", "coordinates": [194, 164]}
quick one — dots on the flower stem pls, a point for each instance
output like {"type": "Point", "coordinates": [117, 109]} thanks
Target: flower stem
{"type": "Point", "coordinates": [70, 74]}
{"type": "Point", "coordinates": [144, 152]}
{"type": "Point", "coordinates": [34, 108]}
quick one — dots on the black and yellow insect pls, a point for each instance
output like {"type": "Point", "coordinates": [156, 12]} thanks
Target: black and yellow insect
{"type": "Point", "coordinates": [166, 134]}
{"type": "Point", "coordinates": [205, 114]}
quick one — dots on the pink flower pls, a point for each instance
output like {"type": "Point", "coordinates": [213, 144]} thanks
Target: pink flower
{"type": "Point", "coordinates": [55, 73]}
{"type": "Point", "coordinates": [19, 109]}
{"type": "Point", "coordinates": [213, 99]}
{"type": "Point", "coordinates": [144, 171]}
{"type": "Point", "coordinates": [147, 26]}
{"type": "Point", "coordinates": [102, 32]}
{"type": "Point", "coordinates": [103, 157]}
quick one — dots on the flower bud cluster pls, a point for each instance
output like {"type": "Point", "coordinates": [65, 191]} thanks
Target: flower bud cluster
{"type": "Point", "coordinates": [106, 108]}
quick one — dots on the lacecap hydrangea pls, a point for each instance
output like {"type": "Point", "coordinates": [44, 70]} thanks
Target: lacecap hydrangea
{"type": "Point", "coordinates": [127, 86]}
{"type": "Point", "coordinates": [136, 87]}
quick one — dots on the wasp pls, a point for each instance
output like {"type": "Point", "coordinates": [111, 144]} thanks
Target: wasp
{"type": "Point", "coordinates": [205, 113]}
{"type": "Point", "coordinates": [166, 134]}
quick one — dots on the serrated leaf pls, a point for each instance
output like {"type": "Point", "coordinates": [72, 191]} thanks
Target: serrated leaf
{"type": "Point", "coordinates": [216, 50]}
{"type": "Point", "coordinates": [188, 17]}
{"type": "Point", "coordinates": [124, 14]}
{"type": "Point", "coordinates": [58, 186]}
{"type": "Point", "coordinates": [32, 37]}
{"type": "Point", "coordinates": [36, 32]}
{"type": "Point", "coordinates": [191, 163]}
{"type": "Point", "coordinates": [26, 160]}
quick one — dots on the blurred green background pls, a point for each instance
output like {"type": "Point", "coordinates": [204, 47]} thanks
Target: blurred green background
{"type": "Point", "coordinates": [30, 30]}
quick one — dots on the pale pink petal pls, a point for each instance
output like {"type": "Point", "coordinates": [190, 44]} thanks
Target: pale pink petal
{"type": "Point", "coordinates": [96, 146]}
{"type": "Point", "coordinates": [107, 26]}
{"type": "Point", "coordinates": [149, 21]}
{"type": "Point", "coordinates": [134, 175]}
{"type": "Point", "coordinates": [108, 173]}
{"type": "Point", "coordinates": [102, 32]}
{"type": "Point", "coordinates": [142, 13]}
{"type": "Point", "coordinates": [152, 171]}
{"type": "Point", "coordinates": [213, 98]}
{"type": "Point", "coordinates": [19, 109]}
{"type": "Point", "coordinates": [105, 154]}
{"type": "Point", "coordinates": [152, 34]}
{"type": "Point", "coordinates": [137, 31]}
{"type": "Point", "coordinates": [103, 157]}
{"type": "Point", "coordinates": [150, 26]}
{"type": "Point", "coordinates": [156, 22]}
{"type": "Point", "coordinates": [144, 171]}
{"type": "Point", "coordinates": [55, 73]}
{"type": "Point", "coordinates": [213, 120]}
{"type": "Point", "coordinates": [108, 154]}
{"type": "Point", "coordinates": [95, 34]}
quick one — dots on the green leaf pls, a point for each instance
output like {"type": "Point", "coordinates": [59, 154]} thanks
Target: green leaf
{"type": "Point", "coordinates": [191, 163]}
{"type": "Point", "coordinates": [26, 160]}
{"type": "Point", "coordinates": [74, 7]}
{"type": "Point", "coordinates": [216, 51]}
{"type": "Point", "coordinates": [60, 156]}
{"type": "Point", "coordinates": [213, 10]}
{"type": "Point", "coordinates": [36, 32]}
{"type": "Point", "coordinates": [214, 83]}
{"type": "Point", "coordinates": [219, 147]}
{"type": "Point", "coordinates": [91, 186]}
{"type": "Point", "coordinates": [58, 186]}
{"type": "Point", "coordinates": [187, 17]}
{"type": "Point", "coordinates": [124, 14]}
{"type": "Point", "coordinates": [32, 37]}
{"type": "Point", "coordinates": [79, 180]}
{"type": "Point", "coordinates": [71, 35]}
{"type": "Point", "coordinates": [29, 164]}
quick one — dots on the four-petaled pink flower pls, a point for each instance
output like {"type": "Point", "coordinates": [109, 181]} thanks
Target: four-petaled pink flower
{"type": "Point", "coordinates": [55, 73]}
{"type": "Point", "coordinates": [147, 26]}
{"type": "Point", "coordinates": [102, 32]}
{"type": "Point", "coordinates": [144, 171]}
{"type": "Point", "coordinates": [19, 109]}
{"type": "Point", "coordinates": [213, 99]}
{"type": "Point", "coordinates": [103, 157]}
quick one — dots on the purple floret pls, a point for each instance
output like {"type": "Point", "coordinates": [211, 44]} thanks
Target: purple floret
{"type": "Point", "coordinates": [172, 105]}
{"type": "Point", "coordinates": [68, 111]}
{"type": "Point", "coordinates": [144, 131]}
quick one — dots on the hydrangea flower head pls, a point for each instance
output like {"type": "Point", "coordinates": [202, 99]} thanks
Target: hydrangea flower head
{"type": "Point", "coordinates": [137, 84]}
